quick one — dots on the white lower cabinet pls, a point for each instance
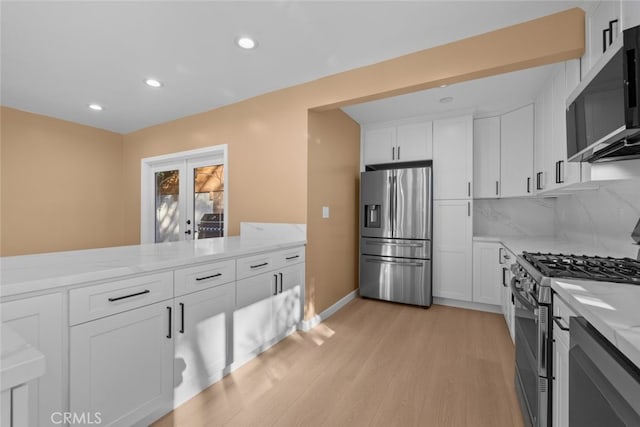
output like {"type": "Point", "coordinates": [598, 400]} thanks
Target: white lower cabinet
{"type": "Point", "coordinates": [121, 366]}
{"type": "Point", "coordinates": [561, 343]}
{"type": "Point", "coordinates": [487, 273]}
{"type": "Point", "coordinates": [268, 306]}
{"type": "Point", "coordinates": [202, 327]}
{"type": "Point", "coordinates": [39, 321]}
{"type": "Point", "coordinates": [452, 249]}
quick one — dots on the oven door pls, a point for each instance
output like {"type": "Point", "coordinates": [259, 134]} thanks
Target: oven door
{"type": "Point", "coordinates": [604, 386]}
{"type": "Point", "coordinates": [532, 355]}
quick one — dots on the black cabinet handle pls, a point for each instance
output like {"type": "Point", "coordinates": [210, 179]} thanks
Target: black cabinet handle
{"type": "Point", "coordinates": [556, 320]}
{"type": "Point", "coordinates": [280, 282]}
{"type": "Point", "coordinates": [393, 153]}
{"type": "Point", "coordinates": [500, 255]}
{"type": "Point", "coordinates": [504, 277]}
{"type": "Point", "coordinates": [604, 39]}
{"type": "Point", "coordinates": [209, 277]}
{"type": "Point", "coordinates": [182, 318]}
{"type": "Point", "coordinates": [398, 152]}
{"type": "Point", "coordinates": [469, 189]}
{"type": "Point", "coordinates": [146, 291]}
{"type": "Point", "coordinates": [528, 184]}
{"type": "Point", "coordinates": [170, 325]}
{"type": "Point", "coordinates": [615, 21]}
{"type": "Point", "coordinates": [561, 172]}
{"type": "Point", "coordinates": [292, 257]}
{"type": "Point", "coordinates": [275, 291]}
{"type": "Point", "coordinates": [260, 265]}
{"type": "Point", "coordinates": [539, 181]}
{"type": "Point", "coordinates": [497, 192]}
{"type": "Point", "coordinates": [468, 208]}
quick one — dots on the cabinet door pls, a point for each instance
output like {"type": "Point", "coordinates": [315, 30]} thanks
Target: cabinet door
{"type": "Point", "coordinates": [415, 142]}
{"type": "Point", "coordinates": [122, 366]}
{"type": "Point", "coordinates": [487, 273]}
{"type": "Point", "coordinates": [630, 13]}
{"type": "Point", "coordinates": [379, 145]}
{"type": "Point", "coordinates": [252, 319]}
{"type": "Point", "coordinates": [39, 321]}
{"type": "Point", "coordinates": [287, 305]}
{"type": "Point", "coordinates": [486, 157]}
{"type": "Point", "coordinates": [452, 158]}
{"type": "Point", "coordinates": [598, 20]}
{"type": "Point", "coordinates": [452, 249]}
{"type": "Point", "coordinates": [202, 327]}
{"type": "Point", "coordinates": [516, 163]}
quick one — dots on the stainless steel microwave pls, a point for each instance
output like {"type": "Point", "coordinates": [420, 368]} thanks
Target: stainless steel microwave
{"type": "Point", "coordinates": [603, 117]}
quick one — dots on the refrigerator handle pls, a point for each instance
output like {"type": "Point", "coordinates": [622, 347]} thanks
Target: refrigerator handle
{"type": "Point", "coordinates": [391, 191]}
{"type": "Point", "coordinates": [395, 204]}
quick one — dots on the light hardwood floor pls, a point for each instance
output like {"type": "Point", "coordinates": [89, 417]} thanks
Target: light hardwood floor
{"type": "Point", "coordinates": [372, 364]}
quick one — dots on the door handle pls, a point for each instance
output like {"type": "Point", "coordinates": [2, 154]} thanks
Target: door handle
{"type": "Point", "coordinates": [280, 282]}
{"type": "Point", "coordinates": [381, 261]}
{"type": "Point", "coordinates": [561, 172]}
{"type": "Point", "coordinates": [604, 39]}
{"type": "Point", "coordinates": [556, 320]}
{"type": "Point", "coordinates": [398, 152]}
{"type": "Point", "coordinates": [187, 232]}
{"type": "Point", "coordinates": [393, 153]}
{"type": "Point", "coordinates": [469, 189]}
{"type": "Point", "coordinates": [539, 181]}
{"type": "Point", "coordinates": [504, 277]}
{"type": "Point", "coordinates": [500, 255]}
{"type": "Point", "coordinates": [468, 208]}
{"type": "Point", "coordinates": [182, 318]}
{"type": "Point", "coordinates": [275, 291]}
{"type": "Point", "coordinates": [170, 325]}
{"type": "Point", "coordinates": [497, 191]}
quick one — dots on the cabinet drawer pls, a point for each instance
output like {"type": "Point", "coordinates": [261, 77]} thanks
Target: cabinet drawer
{"type": "Point", "coordinates": [199, 277]}
{"type": "Point", "coordinates": [256, 264]}
{"type": "Point", "coordinates": [110, 298]}
{"type": "Point", "coordinates": [289, 256]}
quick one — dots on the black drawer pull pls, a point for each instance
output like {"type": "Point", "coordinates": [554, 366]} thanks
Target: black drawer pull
{"type": "Point", "coordinates": [146, 291]}
{"type": "Point", "coordinates": [275, 291]}
{"type": "Point", "coordinates": [260, 265]}
{"type": "Point", "coordinates": [557, 319]}
{"type": "Point", "coordinates": [170, 326]}
{"type": "Point", "coordinates": [208, 277]}
{"type": "Point", "coordinates": [292, 257]}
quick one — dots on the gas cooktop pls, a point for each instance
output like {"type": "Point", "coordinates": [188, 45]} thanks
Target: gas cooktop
{"type": "Point", "coordinates": [620, 270]}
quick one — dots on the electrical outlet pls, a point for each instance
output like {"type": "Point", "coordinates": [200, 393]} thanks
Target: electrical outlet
{"type": "Point", "coordinates": [325, 212]}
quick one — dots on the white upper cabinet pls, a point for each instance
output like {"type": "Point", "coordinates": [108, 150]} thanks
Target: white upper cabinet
{"type": "Point", "coordinates": [402, 143]}
{"type": "Point", "coordinates": [516, 160]}
{"type": "Point", "coordinates": [486, 157]}
{"type": "Point", "coordinates": [630, 13]}
{"type": "Point", "coordinates": [453, 158]}
{"type": "Point", "coordinates": [602, 27]}
{"type": "Point", "coordinates": [379, 145]}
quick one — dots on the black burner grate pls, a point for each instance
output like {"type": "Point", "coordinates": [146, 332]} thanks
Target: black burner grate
{"type": "Point", "coordinates": [621, 270]}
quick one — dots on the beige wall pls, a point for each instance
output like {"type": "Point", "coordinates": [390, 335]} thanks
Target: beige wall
{"type": "Point", "coordinates": [333, 180]}
{"type": "Point", "coordinates": [61, 185]}
{"type": "Point", "coordinates": [267, 138]}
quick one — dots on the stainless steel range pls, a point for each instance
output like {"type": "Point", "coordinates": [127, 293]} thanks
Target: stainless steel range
{"type": "Point", "coordinates": [531, 287]}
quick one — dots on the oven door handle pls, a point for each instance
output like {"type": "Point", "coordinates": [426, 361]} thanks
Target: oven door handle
{"type": "Point", "coordinates": [516, 292]}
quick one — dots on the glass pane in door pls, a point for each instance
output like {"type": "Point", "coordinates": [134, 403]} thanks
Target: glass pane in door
{"type": "Point", "coordinates": [167, 206]}
{"type": "Point", "coordinates": [208, 201]}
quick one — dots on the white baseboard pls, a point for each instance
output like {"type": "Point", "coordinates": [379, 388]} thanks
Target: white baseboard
{"type": "Point", "coordinates": [467, 304]}
{"type": "Point", "coordinates": [309, 324]}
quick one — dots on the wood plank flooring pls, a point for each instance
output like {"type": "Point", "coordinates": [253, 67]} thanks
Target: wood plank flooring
{"type": "Point", "coordinates": [372, 364]}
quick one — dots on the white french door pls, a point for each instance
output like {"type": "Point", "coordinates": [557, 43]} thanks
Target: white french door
{"type": "Point", "coordinates": [183, 196]}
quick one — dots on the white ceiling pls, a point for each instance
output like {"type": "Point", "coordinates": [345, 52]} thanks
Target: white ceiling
{"type": "Point", "coordinates": [57, 57]}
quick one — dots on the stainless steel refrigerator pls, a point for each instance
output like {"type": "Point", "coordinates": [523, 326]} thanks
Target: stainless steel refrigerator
{"type": "Point", "coordinates": [395, 231]}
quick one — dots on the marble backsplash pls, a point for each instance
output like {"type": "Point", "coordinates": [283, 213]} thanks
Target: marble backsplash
{"type": "Point", "coordinates": [514, 217]}
{"type": "Point", "coordinates": [602, 218]}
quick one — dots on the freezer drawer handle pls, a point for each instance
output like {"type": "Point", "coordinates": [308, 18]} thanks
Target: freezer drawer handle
{"type": "Point", "coordinates": [146, 291]}
{"type": "Point", "coordinates": [408, 245]}
{"type": "Point", "coordinates": [292, 257]}
{"type": "Point", "coordinates": [411, 264]}
{"type": "Point", "coordinates": [208, 277]}
{"type": "Point", "coordinates": [260, 265]}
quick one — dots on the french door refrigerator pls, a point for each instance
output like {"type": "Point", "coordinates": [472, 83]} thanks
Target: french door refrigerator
{"type": "Point", "coordinates": [395, 234]}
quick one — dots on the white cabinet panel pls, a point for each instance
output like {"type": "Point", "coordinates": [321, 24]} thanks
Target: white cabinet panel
{"type": "Point", "coordinates": [561, 343]}
{"type": "Point", "coordinates": [39, 321]}
{"type": "Point", "coordinates": [598, 19]}
{"type": "Point", "coordinates": [202, 328]}
{"type": "Point", "coordinates": [287, 308]}
{"type": "Point", "coordinates": [414, 142]}
{"type": "Point", "coordinates": [253, 317]}
{"type": "Point", "coordinates": [452, 249]}
{"type": "Point", "coordinates": [379, 145]}
{"type": "Point", "coordinates": [516, 163]}
{"type": "Point", "coordinates": [630, 13]}
{"type": "Point", "coordinates": [487, 273]}
{"type": "Point", "coordinates": [486, 157]}
{"type": "Point", "coordinates": [122, 365]}
{"type": "Point", "coordinates": [452, 158]}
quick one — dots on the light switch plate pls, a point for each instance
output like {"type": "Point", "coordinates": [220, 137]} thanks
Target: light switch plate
{"type": "Point", "coordinates": [325, 212]}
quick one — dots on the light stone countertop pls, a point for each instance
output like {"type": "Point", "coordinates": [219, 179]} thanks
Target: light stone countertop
{"type": "Point", "coordinates": [612, 308]}
{"type": "Point", "coordinates": [40, 272]}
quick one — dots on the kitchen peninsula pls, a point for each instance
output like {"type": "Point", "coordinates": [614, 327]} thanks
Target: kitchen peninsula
{"type": "Point", "coordinates": [130, 332]}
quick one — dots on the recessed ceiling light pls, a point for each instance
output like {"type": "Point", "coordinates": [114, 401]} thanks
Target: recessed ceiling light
{"type": "Point", "coordinates": [153, 83]}
{"type": "Point", "coordinates": [443, 85]}
{"type": "Point", "coordinates": [446, 99]}
{"type": "Point", "coordinates": [246, 42]}
{"type": "Point", "coordinates": [96, 107]}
